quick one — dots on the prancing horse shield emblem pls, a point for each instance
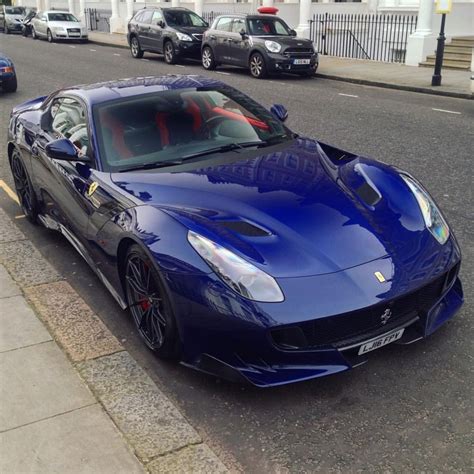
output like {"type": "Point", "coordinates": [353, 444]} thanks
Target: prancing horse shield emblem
{"type": "Point", "coordinates": [387, 314]}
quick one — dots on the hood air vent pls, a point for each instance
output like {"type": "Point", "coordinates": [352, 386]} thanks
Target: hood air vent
{"type": "Point", "coordinates": [244, 228]}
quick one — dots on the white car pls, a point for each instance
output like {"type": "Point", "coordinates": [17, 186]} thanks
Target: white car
{"type": "Point", "coordinates": [57, 25]}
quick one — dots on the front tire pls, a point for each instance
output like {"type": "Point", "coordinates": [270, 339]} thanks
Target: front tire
{"type": "Point", "coordinates": [33, 33]}
{"type": "Point", "coordinates": [257, 66]}
{"type": "Point", "coordinates": [135, 48]}
{"type": "Point", "coordinates": [6, 29]}
{"type": "Point", "coordinates": [10, 85]}
{"type": "Point", "coordinates": [170, 53]}
{"type": "Point", "coordinates": [208, 60]}
{"type": "Point", "coordinates": [24, 188]}
{"type": "Point", "coordinates": [150, 305]}
{"type": "Point", "coordinates": [49, 36]}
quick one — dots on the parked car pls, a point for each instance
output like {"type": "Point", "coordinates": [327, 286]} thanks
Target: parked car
{"type": "Point", "coordinates": [8, 81]}
{"type": "Point", "coordinates": [262, 43]}
{"type": "Point", "coordinates": [174, 32]}
{"type": "Point", "coordinates": [11, 18]}
{"type": "Point", "coordinates": [57, 25]}
{"type": "Point", "coordinates": [30, 13]}
{"type": "Point", "coordinates": [239, 247]}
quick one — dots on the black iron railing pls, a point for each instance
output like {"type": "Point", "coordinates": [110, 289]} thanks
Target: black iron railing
{"type": "Point", "coordinates": [378, 37]}
{"type": "Point", "coordinates": [97, 20]}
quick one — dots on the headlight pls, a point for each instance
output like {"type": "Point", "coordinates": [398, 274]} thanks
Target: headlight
{"type": "Point", "coordinates": [273, 46]}
{"type": "Point", "coordinates": [431, 214]}
{"type": "Point", "coordinates": [183, 37]}
{"type": "Point", "coordinates": [240, 275]}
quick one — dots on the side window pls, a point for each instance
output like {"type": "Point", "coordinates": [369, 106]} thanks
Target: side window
{"type": "Point", "coordinates": [238, 25]}
{"type": "Point", "coordinates": [69, 121]}
{"type": "Point", "coordinates": [138, 17]}
{"type": "Point", "coordinates": [224, 24]}
{"type": "Point", "coordinates": [146, 18]}
{"type": "Point", "coordinates": [157, 17]}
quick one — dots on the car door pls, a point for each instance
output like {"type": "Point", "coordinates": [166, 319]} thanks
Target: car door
{"type": "Point", "coordinates": [143, 28]}
{"type": "Point", "coordinates": [2, 17]}
{"type": "Point", "coordinates": [222, 48]}
{"type": "Point", "coordinates": [40, 26]}
{"type": "Point", "coordinates": [239, 43]}
{"type": "Point", "coordinates": [155, 32]}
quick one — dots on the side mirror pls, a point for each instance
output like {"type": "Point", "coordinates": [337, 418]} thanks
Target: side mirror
{"type": "Point", "coordinates": [292, 33]}
{"type": "Point", "coordinates": [45, 121]}
{"type": "Point", "coordinates": [279, 111]}
{"type": "Point", "coordinates": [63, 149]}
{"type": "Point", "coordinates": [206, 24]}
{"type": "Point", "coordinates": [161, 24]}
{"type": "Point", "coordinates": [243, 33]}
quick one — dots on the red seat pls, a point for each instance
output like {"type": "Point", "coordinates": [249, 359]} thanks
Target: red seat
{"type": "Point", "coordinates": [117, 134]}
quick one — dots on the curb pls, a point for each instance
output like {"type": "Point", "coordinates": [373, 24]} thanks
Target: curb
{"type": "Point", "coordinates": [366, 82]}
{"type": "Point", "coordinates": [154, 429]}
{"type": "Point", "coordinates": [387, 85]}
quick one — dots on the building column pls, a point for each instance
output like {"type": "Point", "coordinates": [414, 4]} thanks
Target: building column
{"type": "Point", "coordinates": [116, 23]}
{"type": "Point", "coordinates": [82, 11]}
{"type": "Point", "coordinates": [47, 5]}
{"type": "Point", "coordinates": [423, 41]}
{"type": "Point", "coordinates": [175, 3]}
{"type": "Point", "coordinates": [198, 6]}
{"type": "Point", "coordinates": [129, 11]}
{"type": "Point", "coordinates": [305, 16]}
{"type": "Point", "coordinates": [39, 5]}
{"type": "Point", "coordinates": [267, 3]}
{"type": "Point", "coordinates": [70, 6]}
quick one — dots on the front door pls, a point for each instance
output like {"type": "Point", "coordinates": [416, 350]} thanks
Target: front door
{"type": "Point", "coordinates": [240, 43]}
{"type": "Point", "coordinates": [222, 49]}
{"type": "Point", "coordinates": [155, 33]}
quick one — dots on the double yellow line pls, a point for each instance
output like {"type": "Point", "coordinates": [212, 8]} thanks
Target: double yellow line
{"type": "Point", "coordinates": [10, 193]}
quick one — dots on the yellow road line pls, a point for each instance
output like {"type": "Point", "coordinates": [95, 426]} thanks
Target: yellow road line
{"type": "Point", "coordinates": [20, 217]}
{"type": "Point", "coordinates": [10, 193]}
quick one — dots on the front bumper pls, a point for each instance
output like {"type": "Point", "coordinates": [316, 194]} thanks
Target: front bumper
{"type": "Point", "coordinates": [189, 49]}
{"type": "Point", "coordinates": [65, 36]}
{"type": "Point", "coordinates": [14, 27]}
{"type": "Point", "coordinates": [282, 63]}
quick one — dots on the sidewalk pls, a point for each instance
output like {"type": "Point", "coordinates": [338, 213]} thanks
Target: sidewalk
{"type": "Point", "coordinates": [373, 73]}
{"type": "Point", "coordinates": [72, 399]}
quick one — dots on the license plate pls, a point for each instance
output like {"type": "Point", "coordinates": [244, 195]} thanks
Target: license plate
{"type": "Point", "coordinates": [301, 61]}
{"type": "Point", "coordinates": [381, 341]}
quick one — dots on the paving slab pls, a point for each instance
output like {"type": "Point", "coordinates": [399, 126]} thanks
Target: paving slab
{"type": "Point", "coordinates": [93, 446]}
{"type": "Point", "coordinates": [74, 325]}
{"type": "Point", "coordinates": [38, 382]}
{"type": "Point", "coordinates": [26, 264]}
{"type": "Point", "coordinates": [146, 417]}
{"type": "Point", "coordinates": [19, 326]}
{"type": "Point", "coordinates": [198, 459]}
{"type": "Point", "coordinates": [9, 232]}
{"type": "Point", "coordinates": [7, 286]}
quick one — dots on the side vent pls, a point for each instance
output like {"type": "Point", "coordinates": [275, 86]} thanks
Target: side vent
{"type": "Point", "coordinates": [368, 194]}
{"type": "Point", "coordinates": [244, 228]}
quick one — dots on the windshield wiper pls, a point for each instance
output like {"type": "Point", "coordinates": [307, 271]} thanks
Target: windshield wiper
{"type": "Point", "coordinates": [224, 148]}
{"type": "Point", "coordinates": [150, 166]}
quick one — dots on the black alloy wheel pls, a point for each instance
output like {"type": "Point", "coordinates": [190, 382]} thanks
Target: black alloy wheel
{"type": "Point", "coordinates": [169, 53]}
{"type": "Point", "coordinates": [135, 48]}
{"type": "Point", "coordinates": [24, 189]}
{"type": "Point", "coordinates": [257, 66]}
{"type": "Point", "coordinates": [208, 60]}
{"type": "Point", "coordinates": [149, 304]}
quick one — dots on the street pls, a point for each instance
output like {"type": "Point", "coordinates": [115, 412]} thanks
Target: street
{"type": "Point", "coordinates": [410, 407]}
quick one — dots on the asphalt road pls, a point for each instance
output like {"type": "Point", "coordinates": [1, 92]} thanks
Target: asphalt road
{"type": "Point", "coordinates": [409, 408]}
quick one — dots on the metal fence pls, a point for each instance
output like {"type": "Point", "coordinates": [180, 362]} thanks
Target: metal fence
{"type": "Point", "coordinates": [378, 37]}
{"type": "Point", "coordinates": [97, 20]}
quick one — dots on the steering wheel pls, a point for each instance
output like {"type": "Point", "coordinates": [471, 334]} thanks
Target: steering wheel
{"type": "Point", "coordinates": [213, 122]}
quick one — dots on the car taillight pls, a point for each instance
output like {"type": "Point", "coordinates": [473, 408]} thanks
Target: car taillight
{"type": "Point", "coordinates": [6, 69]}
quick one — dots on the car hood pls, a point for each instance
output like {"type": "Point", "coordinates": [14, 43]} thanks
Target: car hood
{"type": "Point", "coordinates": [64, 24]}
{"type": "Point", "coordinates": [291, 212]}
{"type": "Point", "coordinates": [191, 30]}
{"type": "Point", "coordinates": [14, 17]}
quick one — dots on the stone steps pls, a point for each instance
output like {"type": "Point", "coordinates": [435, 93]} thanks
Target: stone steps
{"type": "Point", "coordinates": [457, 54]}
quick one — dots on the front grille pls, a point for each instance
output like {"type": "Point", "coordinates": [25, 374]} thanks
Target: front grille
{"type": "Point", "coordinates": [298, 52]}
{"type": "Point", "coordinates": [344, 329]}
{"type": "Point", "coordinates": [73, 30]}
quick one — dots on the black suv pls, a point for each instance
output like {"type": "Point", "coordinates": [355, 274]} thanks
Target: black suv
{"type": "Point", "coordinates": [263, 43]}
{"type": "Point", "coordinates": [173, 32]}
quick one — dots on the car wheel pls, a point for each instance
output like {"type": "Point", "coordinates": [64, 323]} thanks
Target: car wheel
{"type": "Point", "coordinates": [24, 188]}
{"type": "Point", "coordinates": [6, 30]}
{"type": "Point", "coordinates": [135, 48]}
{"type": "Point", "coordinates": [170, 53]}
{"type": "Point", "coordinates": [150, 305]}
{"type": "Point", "coordinates": [49, 36]}
{"type": "Point", "coordinates": [33, 33]}
{"type": "Point", "coordinates": [257, 66]}
{"type": "Point", "coordinates": [10, 85]}
{"type": "Point", "coordinates": [208, 61]}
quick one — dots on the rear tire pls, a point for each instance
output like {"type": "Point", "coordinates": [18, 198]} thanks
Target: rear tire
{"type": "Point", "coordinates": [257, 66]}
{"type": "Point", "coordinates": [150, 305]}
{"type": "Point", "coordinates": [24, 188]}
{"type": "Point", "coordinates": [10, 85]}
{"type": "Point", "coordinates": [208, 60]}
{"type": "Point", "coordinates": [135, 48]}
{"type": "Point", "coordinates": [33, 33]}
{"type": "Point", "coordinates": [169, 53]}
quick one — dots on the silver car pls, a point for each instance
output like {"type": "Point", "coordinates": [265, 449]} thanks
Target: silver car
{"type": "Point", "coordinates": [57, 25]}
{"type": "Point", "coordinates": [11, 18]}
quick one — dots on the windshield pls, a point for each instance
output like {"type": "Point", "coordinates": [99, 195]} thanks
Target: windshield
{"type": "Point", "coordinates": [61, 17]}
{"type": "Point", "coordinates": [268, 27]}
{"type": "Point", "coordinates": [14, 11]}
{"type": "Point", "coordinates": [169, 126]}
{"type": "Point", "coordinates": [183, 18]}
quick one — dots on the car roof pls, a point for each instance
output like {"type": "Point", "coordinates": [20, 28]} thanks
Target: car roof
{"type": "Point", "coordinates": [248, 15]}
{"type": "Point", "coordinates": [106, 91]}
{"type": "Point", "coordinates": [56, 11]}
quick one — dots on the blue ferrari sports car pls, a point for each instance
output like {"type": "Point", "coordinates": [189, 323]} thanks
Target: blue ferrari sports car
{"type": "Point", "coordinates": [239, 247]}
{"type": "Point", "coordinates": [8, 80]}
